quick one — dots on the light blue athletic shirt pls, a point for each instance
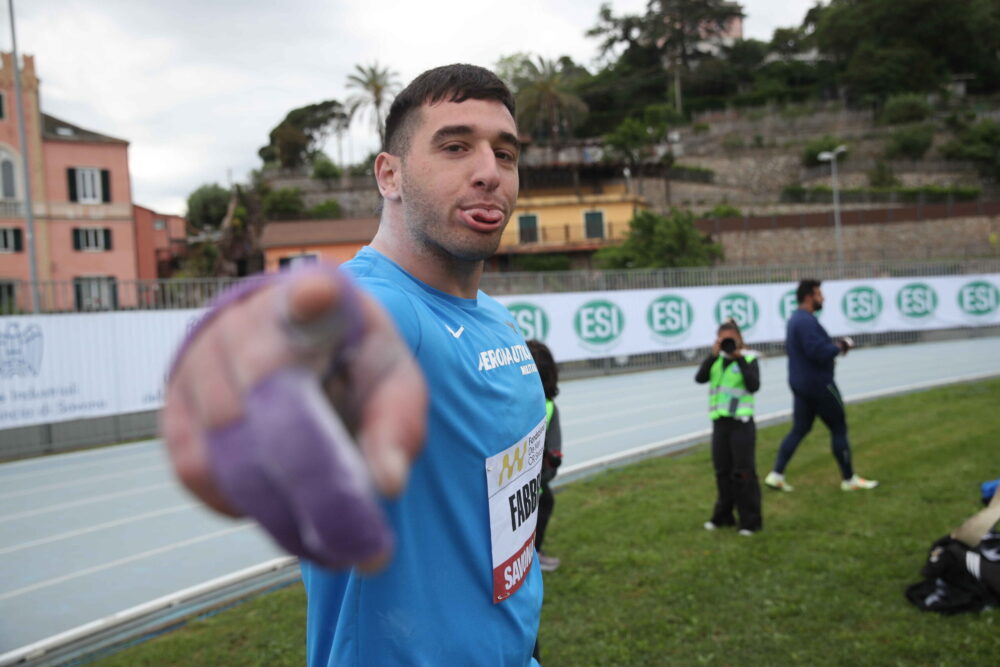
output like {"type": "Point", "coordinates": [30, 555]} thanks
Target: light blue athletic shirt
{"type": "Point", "coordinates": [433, 604]}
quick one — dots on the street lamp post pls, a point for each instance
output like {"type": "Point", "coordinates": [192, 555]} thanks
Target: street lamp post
{"type": "Point", "coordinates": [831, 157]}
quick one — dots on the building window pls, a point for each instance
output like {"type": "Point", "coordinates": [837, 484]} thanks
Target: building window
{"type": "Point", "coordinates": [3, 106]}
{"type": "Point", "coordinates": [8, 188]}
{"type": "Point", "coordinates": [92, 239]}
{"type": "Point", "coordinates": [593, 224]}
{"type": "Point", "coordinates": [8, 297]}
{"type": "Point", "coordinates": [98, 293]}
{"type": "Point", "coordinates": [527, 226]}
{"type": "Point", "coordinates": [159, 224]}
{"type": "Point", "coordinates": [295, 260]}
{"type": "Point", "coordinates": [88, 185]}
{"type": "Point", "coordinates": [11, 239]}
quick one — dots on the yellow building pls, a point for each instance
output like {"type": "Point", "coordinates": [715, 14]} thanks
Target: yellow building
{"type": "Point", "coordinates": [569, 209]}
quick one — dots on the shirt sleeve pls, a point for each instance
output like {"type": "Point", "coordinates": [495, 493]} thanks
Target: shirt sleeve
{"type": "Point", "coordinates": [750, 372]}
{"type": "Point", "coordinates": [816, 343]}
{"type": "Point", "coordinates": [705, 370]}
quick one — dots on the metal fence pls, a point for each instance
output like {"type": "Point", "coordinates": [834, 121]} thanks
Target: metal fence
{"type": "Point", "coordinates": [62, 298]}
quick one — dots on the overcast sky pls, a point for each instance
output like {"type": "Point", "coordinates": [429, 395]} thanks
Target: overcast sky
{"type": "Point", "coordinates": [197, 85]}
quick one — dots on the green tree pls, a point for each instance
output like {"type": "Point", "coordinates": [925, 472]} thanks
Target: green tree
{"type": "Point", "coordinates": [206, 206]}
{"type": "Point", "coordinates": [676, 29]}
{"type": "Point", "coordinates": [376, 86]}
{"type": "Point", "coordinates": [324, 169]}
{"type": "Point", "coordinates": [298, 138]}
{"type": "Point", "coordinates": [891, 46]}
{"type": "Point", "coordinates": [658, 241]}
{"type": "Point", "coordinates": [547, 107]}
{"type": "Point", "coordinates": [635, 138]}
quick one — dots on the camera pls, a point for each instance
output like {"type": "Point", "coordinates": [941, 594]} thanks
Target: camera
{"type": "Point", "coordinates": [727, 345]}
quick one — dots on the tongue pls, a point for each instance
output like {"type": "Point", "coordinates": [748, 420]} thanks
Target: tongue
{"type": "Point", "coordinates": [485, 215]}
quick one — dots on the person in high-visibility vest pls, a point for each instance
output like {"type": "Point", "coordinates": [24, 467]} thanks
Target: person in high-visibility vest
{"type": "Point", "coordinates": [733, 375]}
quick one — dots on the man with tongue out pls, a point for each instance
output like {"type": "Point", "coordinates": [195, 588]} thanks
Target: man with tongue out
{"type": "Point", "coordinates": [408, 552]}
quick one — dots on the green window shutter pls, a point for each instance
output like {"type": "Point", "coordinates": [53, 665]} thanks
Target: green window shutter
{"type": "Point", "coordinates": [105, 186]}
{"type": "Point", "coordinates": [71, 182]}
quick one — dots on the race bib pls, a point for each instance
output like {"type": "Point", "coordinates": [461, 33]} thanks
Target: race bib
{"type": "Point", "coordinates": [513, 484]}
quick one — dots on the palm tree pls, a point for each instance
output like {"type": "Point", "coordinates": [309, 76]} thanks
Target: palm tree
{"type": "Point", "coordinates": [377, 85]}
{"type": "Point", "coordinates": [546, 105]}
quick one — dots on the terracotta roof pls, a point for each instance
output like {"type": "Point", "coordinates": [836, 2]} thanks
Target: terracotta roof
{"type": "Point", "coordinates": [318, 232]}
{"type": "Point", "coordinates": [60, 130]}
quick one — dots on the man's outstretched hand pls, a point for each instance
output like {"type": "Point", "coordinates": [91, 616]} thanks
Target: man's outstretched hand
{"type": "Point", "coordinates": [265, 405]}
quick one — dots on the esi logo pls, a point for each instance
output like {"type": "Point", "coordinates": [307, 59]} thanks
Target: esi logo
{"type": "Point", "coordinates": [789, 304]}
{"type": "Point", "coordinates": [862, 305]}
{"type": "Point", "coordinates": [670, 317]}
{"type": "Point", "coordinates": [742, 308]}
{"type": "Point", "coordinates": [533, 321]}
{"type": "Point", "coordinates": [917, 300]}
{"type": "Point", "coordinates": [599, 323]}
{"type": "Point", "coordinates": [978, 298]}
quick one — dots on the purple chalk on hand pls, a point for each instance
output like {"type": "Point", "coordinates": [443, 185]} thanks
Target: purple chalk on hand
{"type": "Point", "coordinates": [290, 463]}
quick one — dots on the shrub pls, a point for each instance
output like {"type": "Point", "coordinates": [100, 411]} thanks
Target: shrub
{"type": "Point", "coordinates": [700, 128]}
{"type": "Point", "coordinates": [723, 211]}
{"type": "Point", "coordinates": [284, 204]}
{"type": "Point", "coordinates": [541, 262]}
{"type": "Point", "coordinates": [810, 155]}
{"type": "Point", "coordinates": [979, 143]}
{"type": "Point", "coordinates": [324, 169]}
{"type": "Point", "coordinates": [882, 176]}
{"type": "Point", "coordinates": [326, 210]}
{"type": "Point", "coordinates": [909, 142]}
{"type": "Point", "coordinates": [905, 108]}
{"type": "Point", "coordinates": [732, 142]}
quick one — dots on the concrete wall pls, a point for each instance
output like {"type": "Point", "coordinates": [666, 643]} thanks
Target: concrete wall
{"type": "Point", "coordinates": [974, 236]}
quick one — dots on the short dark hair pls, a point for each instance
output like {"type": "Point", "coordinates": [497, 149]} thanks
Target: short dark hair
{"type": "Point", "coordinates": [547, 369]}
{"type": "Point", "coordinates": [454, 83]}
{"type": "Point", "coordinates": [806, 287]}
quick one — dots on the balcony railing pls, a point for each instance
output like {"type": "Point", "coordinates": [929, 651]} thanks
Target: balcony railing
{"type": "Point", "coordinates": [11, 209]}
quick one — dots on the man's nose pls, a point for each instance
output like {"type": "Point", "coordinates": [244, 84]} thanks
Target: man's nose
{"type": "Point", "coordinates": [486, 171]}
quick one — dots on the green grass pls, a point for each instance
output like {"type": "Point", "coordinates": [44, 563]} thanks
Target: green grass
{"type": "Point", "coordinates": [642, 584]}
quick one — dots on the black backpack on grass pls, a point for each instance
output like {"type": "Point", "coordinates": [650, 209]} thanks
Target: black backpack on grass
{"type": "Point", "coordinates": [958, 577]}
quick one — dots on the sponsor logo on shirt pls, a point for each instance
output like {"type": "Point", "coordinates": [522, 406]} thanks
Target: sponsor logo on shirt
{"type": "Point", "coordinates": [503, 356]}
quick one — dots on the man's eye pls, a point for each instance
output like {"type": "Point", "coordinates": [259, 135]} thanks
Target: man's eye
{"type": "Point", "coordinates": [453, 148]}
{"type": "Point", "coordinates": [506, 156]}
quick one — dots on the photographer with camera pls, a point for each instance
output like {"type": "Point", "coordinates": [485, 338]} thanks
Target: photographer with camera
{"type": "Point", "coordinates": [811, 354]}
{"type": "Point", "coordinates": [733, 375]}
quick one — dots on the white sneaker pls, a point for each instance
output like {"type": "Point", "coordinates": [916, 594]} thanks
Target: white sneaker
{"type": "Point", "coordinates": [710, 526]}
{"type": "Point", "coordinates": [746, 533]}
{"type": "Point", "coordinates": [777, 482]}
{"type": "Point", "coordinates": [856, 483]}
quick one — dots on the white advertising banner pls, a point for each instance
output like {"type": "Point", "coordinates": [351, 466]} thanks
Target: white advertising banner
{"type": "Point", "coordinates": [585, 325]}
{"type": "Point", "coordinates": [62, 367]}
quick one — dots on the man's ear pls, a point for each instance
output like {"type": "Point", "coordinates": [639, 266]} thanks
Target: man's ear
{"type": "Point", "coordinates": [387, 173]}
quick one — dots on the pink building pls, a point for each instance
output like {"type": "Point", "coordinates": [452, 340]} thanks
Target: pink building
{"type": "Point", "coordinates": [89, 240]}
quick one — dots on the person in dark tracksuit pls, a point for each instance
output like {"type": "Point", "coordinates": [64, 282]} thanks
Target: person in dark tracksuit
{"type": "Point", "coordinates": [733, 375]}
{"type": "Point", "coordinates": [811, 354]}
{"type": "Point", "coordinates": [548, 372]}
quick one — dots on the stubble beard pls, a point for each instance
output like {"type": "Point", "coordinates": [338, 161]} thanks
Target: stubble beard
{"type": "Point", "coordinates": [430, 226]}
